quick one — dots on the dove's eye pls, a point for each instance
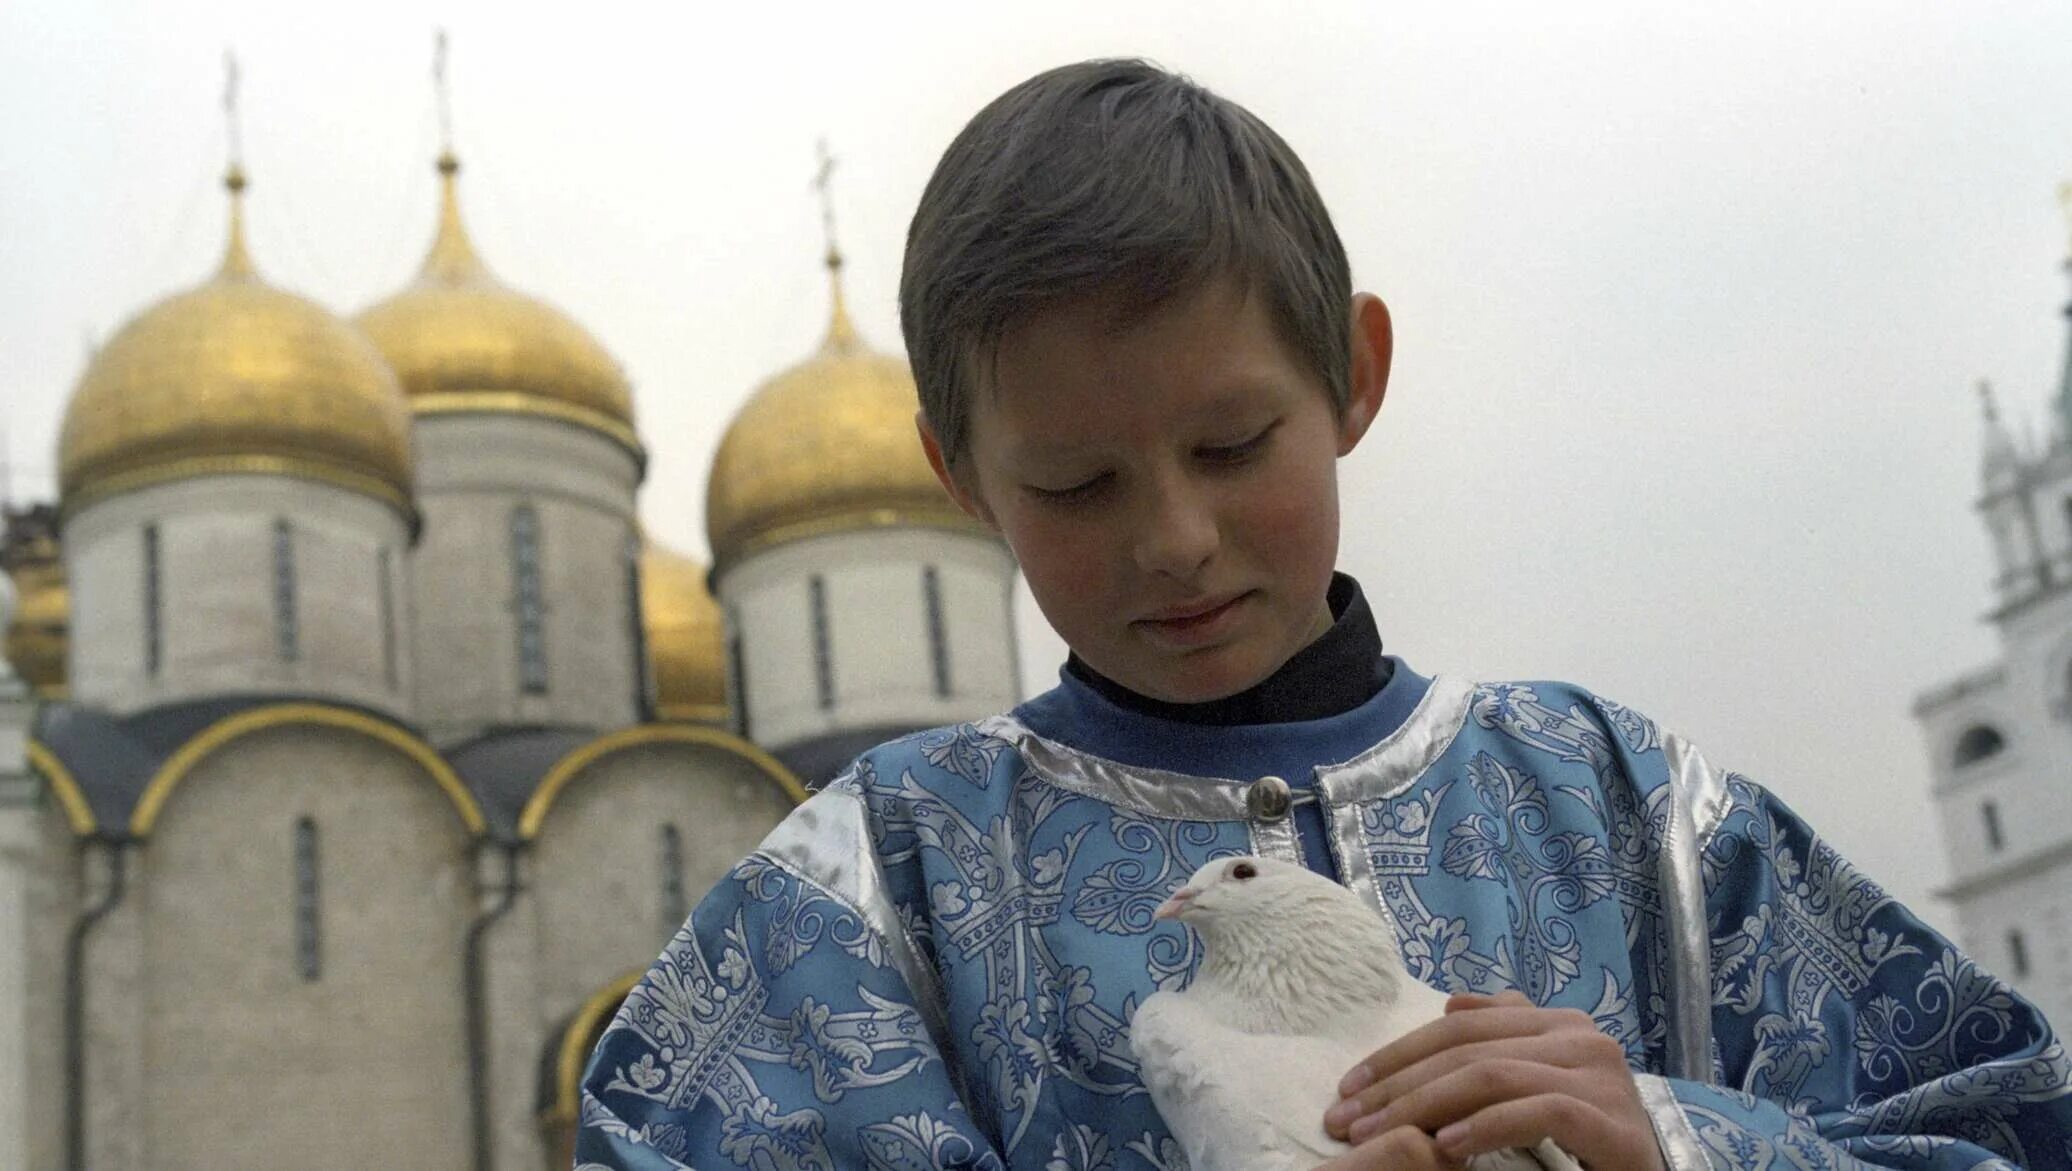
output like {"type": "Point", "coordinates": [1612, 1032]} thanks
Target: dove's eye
{"type": "Point", "coordinates": [1243, 871]}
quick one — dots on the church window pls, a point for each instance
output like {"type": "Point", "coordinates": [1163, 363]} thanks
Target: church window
{"type": "Point", "coordinates": [737, 666]}
{"type": "Point", "coordinates": [528, 600]}
{"type": "Point", "coordinates": [1978, 743]}
{"type": "Point", "coordinates": [1991, 813]}
{"type": "Point", "coordinates": [154, 633]}
{"type": "Point", "coordinates": [385, 597]}
{"type": "Point", "coordinates": [643, 681]}
{"type": "Point", "coordinates": [308, 942]}
{"type": "Point", "coordinates": [2018, 955]}
{"type": "Point", "coordinates": [675, 904]}
{"type": "Point", "coordinates": [286, 638]}
{"type": "Point", "coordinates": [823, 654]}
{"type": "Point", "coordinates": [938, 642]}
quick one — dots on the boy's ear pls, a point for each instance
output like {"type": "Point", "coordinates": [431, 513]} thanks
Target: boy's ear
{"type": "Point", "coordinates": [966, 496]}
{"type": "Point", "coordinates": [1374, 348]}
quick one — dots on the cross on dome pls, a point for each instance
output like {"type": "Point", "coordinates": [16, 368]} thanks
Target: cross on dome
{"type": "Point", "coordinates": [841, 333]}
{"type": "Point", "coordinates": [237, 260]}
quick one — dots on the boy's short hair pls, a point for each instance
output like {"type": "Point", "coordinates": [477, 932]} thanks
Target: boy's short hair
{"type": "Point", "coordinates": [1113, 177]}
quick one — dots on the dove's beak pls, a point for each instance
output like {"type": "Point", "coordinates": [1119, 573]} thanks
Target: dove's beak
{"type": "Point", "coordinates": [1171, 908]}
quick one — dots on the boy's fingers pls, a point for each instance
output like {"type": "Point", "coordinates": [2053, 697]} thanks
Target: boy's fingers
{"type": "Point", "coordinates": [1446, 1100]}
{"type": "Point", "coordinates": [1548, 1049]}
{"type": "Point", "coordinates": [1464, 1001]}
{"type": "Point", "coordinates": [1403, 1149]}
{"type": "Point", "coordinates": [1523, 1122]}
{"type": "Point", "coordinates": [1461, 1028]}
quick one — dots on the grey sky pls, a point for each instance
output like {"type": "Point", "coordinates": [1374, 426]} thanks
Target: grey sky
{"type": "Point", "coordinates": [1689, 303]}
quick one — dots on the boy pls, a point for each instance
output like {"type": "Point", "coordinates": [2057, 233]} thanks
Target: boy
{"type": "Point", "coordinates": [1139, 355]}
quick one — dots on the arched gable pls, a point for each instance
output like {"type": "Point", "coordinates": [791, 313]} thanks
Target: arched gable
{"type": "Point", "coordinates": [570, 1048]}
{"type": "Point", "coordinates": [78, 814]}
{"type": "Point", "coordinates": [562, 1059]}
{"type": "Point", "coordinates": [569, 767]}
{"type": "Point", "coordinates": [231, 728]}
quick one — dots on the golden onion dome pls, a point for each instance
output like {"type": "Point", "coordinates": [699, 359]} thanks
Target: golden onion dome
{"type": "Point", "coordinates": [461, 341]}
{"type": "Point", "coordinates": [686, 638]}
{"type": "Point", "coordinates": [231, 376]}
{"type": "Point", "coordinates": [825, 446]}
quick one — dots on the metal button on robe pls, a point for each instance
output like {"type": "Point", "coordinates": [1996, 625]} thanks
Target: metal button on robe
{"type": "Point", "coordinates": [1268, 798]}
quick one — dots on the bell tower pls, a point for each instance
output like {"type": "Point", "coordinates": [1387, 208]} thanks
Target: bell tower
{"type": "Point", "coordinates": [1998, 736]}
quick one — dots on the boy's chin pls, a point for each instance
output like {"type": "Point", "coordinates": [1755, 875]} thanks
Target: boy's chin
{"type": "Point", "coordinates": [1203, 684]}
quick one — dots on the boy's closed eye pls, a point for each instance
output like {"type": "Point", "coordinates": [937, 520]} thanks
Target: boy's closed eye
{"type": "Point", "coordinates": [1240, 452]}
{"type": "Point", "coordinates": [1078, 493]}
{"type": "Point", "coordinates": [1217, 455]}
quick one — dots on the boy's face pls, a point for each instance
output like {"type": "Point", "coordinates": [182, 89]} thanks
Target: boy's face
{"type": "Point", "coordinates": [1170, 488]}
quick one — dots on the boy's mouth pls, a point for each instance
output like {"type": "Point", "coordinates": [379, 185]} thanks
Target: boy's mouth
{"type": "Point", "coordinates": [1192, 618]}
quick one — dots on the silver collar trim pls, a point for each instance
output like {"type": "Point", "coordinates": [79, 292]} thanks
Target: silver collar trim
{"type": "Point", "coordinates": [1389, 766]}
{"type": "Point", "coordinates": [1386, 770]}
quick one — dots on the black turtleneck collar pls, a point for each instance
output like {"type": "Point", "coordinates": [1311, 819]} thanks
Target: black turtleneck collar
{"type": "Point", "coordinates": [1341, 670]}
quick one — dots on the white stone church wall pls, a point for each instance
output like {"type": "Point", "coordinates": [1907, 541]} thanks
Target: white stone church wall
{"type": "Point", "coordinates": [51, 903]}
{"type": "Point", "coordinates": [877, 631]}
{"type": "Point", "coordinates": [243, 1055]}
{"type": "Point", "coordinates": [217, 606]}
{"type": "Point", "coordinates": [473, 470]}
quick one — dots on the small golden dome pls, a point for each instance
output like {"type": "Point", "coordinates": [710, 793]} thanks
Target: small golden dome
{"type": "Point", "coordinates": [460, 340]}
{"type": "Point", "coordinates": [235, 376]}
{"type": "Point", "coordinates": [686, 638]}
{"type": "Point", "coordinates": [36, 639]}
{"type": "Point", "coordinates": [825, 446]}
{"type": "Point", "coordinates": [38, 630]}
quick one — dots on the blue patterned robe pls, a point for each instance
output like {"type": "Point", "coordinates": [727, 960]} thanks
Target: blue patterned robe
{"type": "Point", "coordinates": [933, 963]}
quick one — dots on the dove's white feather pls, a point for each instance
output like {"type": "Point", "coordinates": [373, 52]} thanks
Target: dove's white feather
{"type": "Point", "coordinates": [1299, 981]}
{"type": "Point", "coordinates": [1203, 1066]}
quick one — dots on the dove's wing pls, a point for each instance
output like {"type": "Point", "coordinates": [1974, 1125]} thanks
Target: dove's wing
{"type": "Point", "coordinates": [1234, 1099]}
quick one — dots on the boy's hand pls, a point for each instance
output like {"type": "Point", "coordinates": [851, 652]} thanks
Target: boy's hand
{"type": "Point", "coordinates": [1499, 1072]}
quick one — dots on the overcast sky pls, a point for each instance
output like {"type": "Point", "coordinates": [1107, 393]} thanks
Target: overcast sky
{"type": "Point", "coordinates": [1689, 303]}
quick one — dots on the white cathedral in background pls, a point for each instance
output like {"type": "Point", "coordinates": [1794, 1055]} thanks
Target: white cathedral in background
{"type": "Point", "coordinates": [372, 751]}
{"type": "Point", "coordinates": [2000, 738]}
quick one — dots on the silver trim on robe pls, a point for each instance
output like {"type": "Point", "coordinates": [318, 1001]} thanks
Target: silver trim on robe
{"type": "Point", "coordinates": [1697, 806]}
{"type": "Point", "coordinates": [1681, 1150]}
{"type": "Point", "coordinates": [1276, 839]}
{"type": "Point", "coordinates": [1386, 767]}
{"type": "Point", "coordinates": [1151, 791]}
{"type": "Point", "coordinates": [1383, 771]}
{"type": "Point", "coordinates": [827, 842]}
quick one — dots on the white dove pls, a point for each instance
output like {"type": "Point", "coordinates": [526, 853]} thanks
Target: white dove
{"type": "Point", "coordinates": [1299, 981]}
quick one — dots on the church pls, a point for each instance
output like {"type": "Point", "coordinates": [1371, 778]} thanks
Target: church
{"type": "Point", "coordinates": [1999, 737]}
{"type": "Point", "coordinates": [372, 749]}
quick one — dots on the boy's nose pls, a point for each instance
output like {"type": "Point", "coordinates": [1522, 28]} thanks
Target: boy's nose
{"type": "Point", "coordinates": [1177, 536]}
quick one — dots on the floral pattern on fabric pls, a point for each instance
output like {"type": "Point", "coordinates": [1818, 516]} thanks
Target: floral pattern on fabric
{"type": "Point", "coordinates": [780, 1031]}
